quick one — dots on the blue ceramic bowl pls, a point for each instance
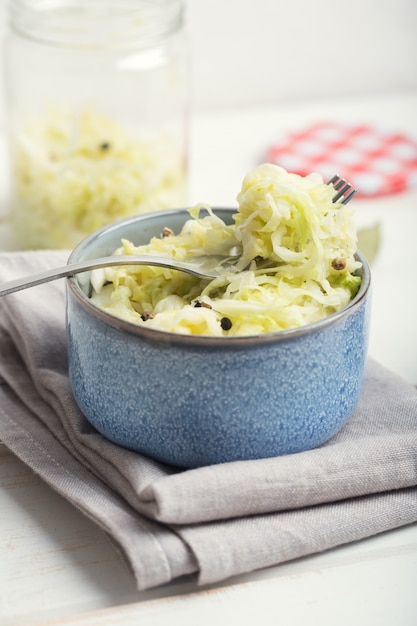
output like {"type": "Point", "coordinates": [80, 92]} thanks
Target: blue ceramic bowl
{"type": "Point", "coordinates": [192, 401]}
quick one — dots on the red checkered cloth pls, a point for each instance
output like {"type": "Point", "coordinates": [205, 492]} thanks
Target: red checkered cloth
{"type": "Point", "coordinates": [377, 162]}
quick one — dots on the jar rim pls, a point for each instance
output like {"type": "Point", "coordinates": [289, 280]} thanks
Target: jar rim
{"type": "Point", "coordinates": [96, 23]}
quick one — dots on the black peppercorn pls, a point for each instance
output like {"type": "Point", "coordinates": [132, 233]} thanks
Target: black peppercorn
{"type": "Point", "coordinates": [226, 323]}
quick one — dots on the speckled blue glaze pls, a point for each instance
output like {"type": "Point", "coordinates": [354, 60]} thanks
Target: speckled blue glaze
{"type": "Point", "coordinates": [192, 401]}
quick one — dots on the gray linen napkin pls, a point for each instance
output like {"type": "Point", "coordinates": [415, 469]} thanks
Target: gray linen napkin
{"type": "Point", "coordinates": [212, 522]}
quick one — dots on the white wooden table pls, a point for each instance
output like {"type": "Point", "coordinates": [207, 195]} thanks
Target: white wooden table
{"type": "Point", "coordinates": [57, 567]}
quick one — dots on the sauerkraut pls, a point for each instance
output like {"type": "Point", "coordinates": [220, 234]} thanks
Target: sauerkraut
{"type": "Point", "coordinates": [297, 263]}
{"type": "Point", "coordinates": [76, 172]}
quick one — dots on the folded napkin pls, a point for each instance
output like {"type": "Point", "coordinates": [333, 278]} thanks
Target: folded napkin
{"type": "Point", "coordinates": [212, 522]}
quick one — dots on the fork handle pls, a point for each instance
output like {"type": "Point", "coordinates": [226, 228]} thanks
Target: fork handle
{"type": "Point", "coordinates": [83, 266]}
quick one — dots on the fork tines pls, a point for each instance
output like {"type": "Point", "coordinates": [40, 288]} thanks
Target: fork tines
{"type": "Point", "coordinates": [345, 191]}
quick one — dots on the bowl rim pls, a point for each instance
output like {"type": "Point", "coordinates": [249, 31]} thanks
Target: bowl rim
{"type": "Point", "coordinates": [162, 336]}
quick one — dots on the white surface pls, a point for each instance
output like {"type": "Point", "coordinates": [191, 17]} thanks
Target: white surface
{"type": "Point", "coordinates": [56, 567]}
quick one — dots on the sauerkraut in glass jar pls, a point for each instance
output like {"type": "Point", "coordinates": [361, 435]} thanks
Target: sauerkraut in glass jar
{"type": "Point", "coordinates": [97, 103]}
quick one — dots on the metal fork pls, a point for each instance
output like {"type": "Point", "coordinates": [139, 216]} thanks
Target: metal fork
{"type": "Point", "coordinates": [345, 191]}
{"type": "Point", "coordinates": [204, 267]}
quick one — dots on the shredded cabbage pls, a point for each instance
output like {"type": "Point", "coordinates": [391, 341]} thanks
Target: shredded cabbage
{"type": "Point", "coordinates": [297, 263]}
{"type": "Point", "coordinates": [76, 172]}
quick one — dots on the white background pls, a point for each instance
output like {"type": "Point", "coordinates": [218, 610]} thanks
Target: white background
{"type": "Point", "coordinates": [263, 51]}
{"type": "Point", "coordinates": [257, 52]}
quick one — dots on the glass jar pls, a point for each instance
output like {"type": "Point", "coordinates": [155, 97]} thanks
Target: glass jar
{"type": "Point", "coordinates": [96, 104]}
